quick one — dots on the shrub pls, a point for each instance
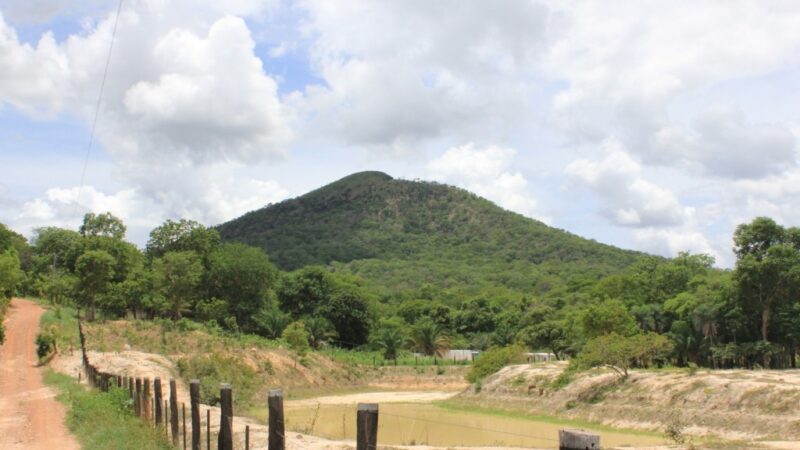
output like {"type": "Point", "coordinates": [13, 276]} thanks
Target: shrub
{"type": "Point", "coordinates": [297, 337]}
{"type": "Point", "coordinates": [215, 369]}
{"type": "Point", "coordinates": [493, 360]}
{"type": "Point", "coordinates": [620, 353]}
{"type": "Point", "coordinates": [45, 342]}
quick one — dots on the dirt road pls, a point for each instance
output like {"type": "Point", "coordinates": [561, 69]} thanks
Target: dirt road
{"type": "Point", "coordinates": [30, 416]}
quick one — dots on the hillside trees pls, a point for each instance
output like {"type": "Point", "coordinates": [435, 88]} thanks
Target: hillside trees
{"type": "Point", "coordinates": [243, 277]}
{"type": "Point", "coordinates": [179, 274]}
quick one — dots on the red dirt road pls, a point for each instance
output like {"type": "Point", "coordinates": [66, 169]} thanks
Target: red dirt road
{"type": "Point", "coordinates": [30, 416]}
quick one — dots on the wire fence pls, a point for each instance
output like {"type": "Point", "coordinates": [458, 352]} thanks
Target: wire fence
{"type": "Point", "coordinates": [160, 408]}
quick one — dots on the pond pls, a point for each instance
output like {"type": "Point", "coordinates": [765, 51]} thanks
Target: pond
{"type": "Point", "coordinates": [429, 424]}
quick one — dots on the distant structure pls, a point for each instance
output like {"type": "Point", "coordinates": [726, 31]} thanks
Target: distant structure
{"type": "Point", "coordinates": [540, 357]}
{"type": "Point", "coordinates": [461, 355]}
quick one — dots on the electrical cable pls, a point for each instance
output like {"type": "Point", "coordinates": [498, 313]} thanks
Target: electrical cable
{"type": "Point", "coordinates": [99, 102]}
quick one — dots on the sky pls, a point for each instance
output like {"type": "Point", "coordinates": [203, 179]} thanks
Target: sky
{"type": "Point", "coordinates": [650, 125]}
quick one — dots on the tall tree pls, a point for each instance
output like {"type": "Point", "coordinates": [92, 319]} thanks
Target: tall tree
{"type": "Point", "coordinates": [105, 224]}
{"type": "Point", "coordinates": [242, 275]}
{"type": "Point", "coordinates": [182, 235]}
{"type": "Point", "coordinates": [179, 274]}
{"type": "Point", "coordinates": [768, 268]}
{"type": "Point", "coordinates": [95, 270]}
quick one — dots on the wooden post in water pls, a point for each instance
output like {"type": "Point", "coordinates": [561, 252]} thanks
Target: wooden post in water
{"type": "Point", "coordinates": [225, 441]}
{"type": "Point", "coordinates": [277, 439]}
{"type": "Point", "coordinates": [577, 440]}
{"type": "Point", "coordinates": [194, 400]}
{"type": "Point", "coordinates": [146, 401]}
{"type": "Point", "coordinates": [157, 401]}
{"type": "Point", "coordinates": [173, 410]}
{"type": "Point", "coordinates": [137, 400]}
{"type": "Point", "coordinates": [367, 426]}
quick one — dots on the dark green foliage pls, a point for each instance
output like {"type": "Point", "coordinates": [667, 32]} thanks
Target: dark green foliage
{"type": "Point", "coordinates": [243, 277]}
{"type": "Point", "coordinates": [45, 343]}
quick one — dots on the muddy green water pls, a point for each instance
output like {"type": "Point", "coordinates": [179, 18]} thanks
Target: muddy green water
{"type": "Point", "coordinates": [428, 424]}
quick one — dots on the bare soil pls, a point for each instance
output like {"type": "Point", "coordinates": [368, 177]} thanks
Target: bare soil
{"type": "Point", "coordinates": [30, 416]}
{"type": "Point", "coordinates": [741, 405]}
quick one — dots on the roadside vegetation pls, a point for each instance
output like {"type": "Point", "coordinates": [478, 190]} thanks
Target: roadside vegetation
{"type": "Point", "coordinates": [104, 420]}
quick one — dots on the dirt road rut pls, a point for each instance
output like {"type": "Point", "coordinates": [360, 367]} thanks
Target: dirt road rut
{"type": "Point", "coordinates": [30, 416]}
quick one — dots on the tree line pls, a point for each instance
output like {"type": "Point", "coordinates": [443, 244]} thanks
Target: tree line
{"type": "Point", "coordinates": [657, 311]}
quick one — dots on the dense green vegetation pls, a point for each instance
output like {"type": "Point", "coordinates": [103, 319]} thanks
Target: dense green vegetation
{"type": "Point", "coordinates": [104, 420]}
{"type": "Point", "coordinates": [11, 275]}
{"type": "Point", "coordinates": [392, 266]}
{"type": "Point", "coordinates": [402, 235]}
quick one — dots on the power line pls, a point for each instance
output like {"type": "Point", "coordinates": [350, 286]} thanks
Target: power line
{"type": "Point", "coordinates": [99, 102]}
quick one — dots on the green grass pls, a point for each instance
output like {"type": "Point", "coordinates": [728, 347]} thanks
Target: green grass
{"type": "Point", "coordinates": [104, 420]}
{"type": "Point", "coordinates": [458, 405]}
{"type": "Point", "coordinates": [62, 320]}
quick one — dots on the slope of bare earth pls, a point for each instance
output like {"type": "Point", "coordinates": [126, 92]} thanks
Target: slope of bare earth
{"type": "Point", "coordinates": [728, 404]}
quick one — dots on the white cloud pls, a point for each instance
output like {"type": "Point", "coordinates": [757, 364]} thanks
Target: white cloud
{"type": "Point", "coordinates": [670, 242]}
{"type": "Point", "coordinates": [448, 70]}
{"type": "Point", "coordinates": [723, 144]}
{"type": "Point", "coordinates": [630, 200]}
{"type": "Point", "coordinates": [626, 63]}
{"type": "Point", "coordinates": [31, 78]}
{"type": "Point", "coordinates": [487, 172]}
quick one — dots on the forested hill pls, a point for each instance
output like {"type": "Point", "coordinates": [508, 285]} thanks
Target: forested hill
{"type": "Point", "coordinates": [406, 233]}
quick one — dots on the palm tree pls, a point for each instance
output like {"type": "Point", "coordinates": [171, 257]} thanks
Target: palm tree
{"type": "Point", "coordinates": [320, 331]}
{"type": "Point", "coordinates": [430, 338]}
{"type": "Point", "coordinates": [391, 340]}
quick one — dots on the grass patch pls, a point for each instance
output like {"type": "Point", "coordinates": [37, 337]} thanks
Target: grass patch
{"type": "Point", "coordinates": [460, 405]}
{"type": "Point", "coordinates": [104, 420]}
{"type": "Point", "coordinates": [63, 324]}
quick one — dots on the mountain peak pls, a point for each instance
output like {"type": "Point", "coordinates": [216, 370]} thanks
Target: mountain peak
{"type": "Point", "coordinates": [375, 224]}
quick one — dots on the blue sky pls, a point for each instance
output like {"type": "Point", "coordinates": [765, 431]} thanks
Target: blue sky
{"type": "Point", "coordinates": [658, 127]}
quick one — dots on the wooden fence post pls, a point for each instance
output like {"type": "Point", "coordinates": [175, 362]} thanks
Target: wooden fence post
{"type": "Point", "coordinates": [183, 410]}
{"type": "Point", "coordinates": [159, 413]}
{"type": "Point", "coordinates": [137, 401]}
{"type": "Point", "coordinates": [367, 426]}
{"type": "Point", "coordinates": [173, 410]}
{"type": "Point", "coordinates": [577, 440]}
{"type": "Point", "coordinates": [146, 401]}
{"type": "Point", "coordinates": [277, 439]}
{"type": "Point", "coordinates": [130, 387]}
{"type": "Point", "coordinates": [166, 417]}
{"type": "Point", "coordinates": [208, 429]}
{"type": "Point", "coordinates": [225, 441]}
{"type": "Point", "coordinates": [247, 437]}
{"type": "Point", "coordinates": [194, 404]}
